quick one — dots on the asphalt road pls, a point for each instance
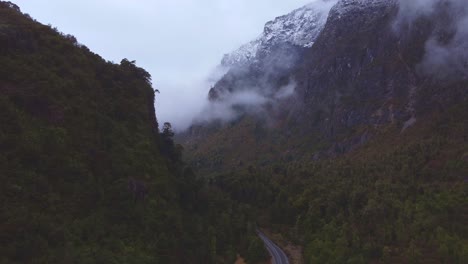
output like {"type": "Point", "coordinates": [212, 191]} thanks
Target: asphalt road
{"type": "Point", "coordinates": [278, 256]}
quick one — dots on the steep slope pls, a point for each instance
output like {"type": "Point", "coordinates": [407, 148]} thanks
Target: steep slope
{"type": "Point", "coordinates": [366, 161]}
{"type": "Point", "coordinates": [299, 28]}
{"type": "Point", "coordinates": [74, 130]}
{"type": "Point", "coordinates": [401, 198]}
{"type": "Point", "coordinates": [267, 61]}
{"type": "Point", "coordinates": [262, 69]}
{"type": "Point", "coordinates": [360, 75]}
{"type": "Point", "coordinates": [374, 65]}
{"type": "Point", "coordinates": [86, 175]}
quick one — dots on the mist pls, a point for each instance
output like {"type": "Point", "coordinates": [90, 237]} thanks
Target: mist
{"type": "Point", "coordinates": [179, 42]}
{"type": "Point", "coordinates": [445, 58]}
{"type": "Point", "coordinates": [243, 93]}
{"type": "Point", "coordinates": [186, 99]}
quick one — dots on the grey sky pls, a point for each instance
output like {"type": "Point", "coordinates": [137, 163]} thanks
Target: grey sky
{"type": "Point", "coordinates": [177, 41]}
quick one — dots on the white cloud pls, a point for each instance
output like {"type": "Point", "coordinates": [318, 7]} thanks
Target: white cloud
{"type": "Point", "coordinates": [446, 59]}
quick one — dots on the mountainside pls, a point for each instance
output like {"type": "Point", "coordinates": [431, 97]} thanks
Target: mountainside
{"type": "Point", "coordinates": [370, 75]}
{"type": "Point", "coordinates": [87, 177]}
{"type": "Point", "coordinates": [364, 159]}
{"type": "Point", "coordinates": [360, 74]}
{"type": "Point", "coordinates": [300, 28]}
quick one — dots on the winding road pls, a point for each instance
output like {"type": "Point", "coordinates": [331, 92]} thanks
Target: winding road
{"type": "Point", "coordinates": [277, 254]}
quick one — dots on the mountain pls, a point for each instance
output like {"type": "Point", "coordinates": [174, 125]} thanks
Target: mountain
{"type": "Point", "coordinates": [365, 156]}
{"type": "Point", "coordinates": [275, 52]}
{"type": "Point", "coordinates": [340, 89]}
{"type": "Point", "coordinates": [300, 28]}
{"type": "Point", "coordinates": [87, 175]}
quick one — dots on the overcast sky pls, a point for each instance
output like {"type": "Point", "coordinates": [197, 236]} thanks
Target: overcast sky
{"type": "Point", "coordinates": [178, 41]}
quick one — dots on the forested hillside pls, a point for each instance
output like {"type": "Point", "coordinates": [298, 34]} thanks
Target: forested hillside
{"type": "Point", "coordinates": [400, 199]}
{"type": "Point", "coordinates": [87, 177]}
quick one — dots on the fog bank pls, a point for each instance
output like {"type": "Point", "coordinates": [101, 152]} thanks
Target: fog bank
{"type": "Point", "coordinates": [446, 51]}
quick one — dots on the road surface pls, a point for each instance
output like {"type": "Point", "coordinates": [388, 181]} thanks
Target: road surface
{"type": "Point", "coordinates": [277, 255]}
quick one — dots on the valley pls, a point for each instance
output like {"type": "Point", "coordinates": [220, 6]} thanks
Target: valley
{"type": "Point", "coordinates": [338, 135]}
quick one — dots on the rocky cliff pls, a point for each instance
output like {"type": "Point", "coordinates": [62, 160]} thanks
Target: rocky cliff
{"type": "Point", "coordinates": [359, 71]}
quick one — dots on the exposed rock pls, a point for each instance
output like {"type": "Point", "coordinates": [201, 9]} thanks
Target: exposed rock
{"type": "Point", "coordinates": [299, 28]}
{"type": "Point", "coordinates": [357, 71]}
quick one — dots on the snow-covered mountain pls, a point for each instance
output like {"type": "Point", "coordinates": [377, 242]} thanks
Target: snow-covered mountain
{"type": "Point", "coordinates": [346, 65]}
{"type": "Point", "coordinates": [300, 27]}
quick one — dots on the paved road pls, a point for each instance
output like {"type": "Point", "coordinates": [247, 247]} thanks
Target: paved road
{"type": "Point", "coordinates": [278, 256]}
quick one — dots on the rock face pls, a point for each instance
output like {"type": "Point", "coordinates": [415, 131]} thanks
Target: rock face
{"type": "Point", "coordinates": [354, 70]}
{"type": "Point", "coordinates": [299, 28]}
{"type": "Point", "coordinates": [370, 75]}
{"type": "Point", "coordinates": [265, 62]}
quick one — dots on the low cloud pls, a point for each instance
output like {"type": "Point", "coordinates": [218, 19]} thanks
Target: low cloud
{"type": "Point", "coordinates": [184, 101]}
{"type": "Point", "coordinates": [286, 91]}
{"type": "Point", "coordinates": [232, 105]}
{"type": "Point", "coordinates": [446, 51]}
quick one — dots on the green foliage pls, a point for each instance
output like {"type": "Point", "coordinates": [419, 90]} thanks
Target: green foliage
{"type": "Point", "coordinates": [400, 199]}
{"type": "Point", "coordinates": [74, 130]}
{"type": "Point", "coordinates": [256, 251]}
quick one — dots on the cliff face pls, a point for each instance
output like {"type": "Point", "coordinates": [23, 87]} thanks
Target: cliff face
{"type": "Point", "coordinates": [299, 28]}
{"type": "Point", "coordinates": [265, 64]}
{"type": "Point", "coordinates": [365, 71]}
{"type": "Point", "coordinates": [361, 72]}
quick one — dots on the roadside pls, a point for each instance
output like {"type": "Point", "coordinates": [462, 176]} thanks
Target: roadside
{"type": "Point", "coordinates": [294, 252]}
{"type": "Point", "coordinates": [240, 260]}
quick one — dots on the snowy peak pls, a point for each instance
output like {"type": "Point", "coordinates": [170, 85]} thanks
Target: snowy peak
{"type": "Point", "coordinates": [242, 56]}
{"type": "Point", "coordinates": [300, 28]}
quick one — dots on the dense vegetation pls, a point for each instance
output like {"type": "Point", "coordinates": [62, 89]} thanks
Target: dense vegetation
{"type": "Point", "coordinates": [87, 177]}
{"type": "Point", "coordinates": [400, 199]}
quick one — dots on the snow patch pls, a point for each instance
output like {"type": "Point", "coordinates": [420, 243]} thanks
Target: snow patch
{"type": "Point", "coordinates": [301, 27]}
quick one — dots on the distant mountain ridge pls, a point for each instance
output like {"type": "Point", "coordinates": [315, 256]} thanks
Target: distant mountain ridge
{"type": "Point", "coordinates": [355, 75]}
{"type": "Point", "coordinates": [300, 28]}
